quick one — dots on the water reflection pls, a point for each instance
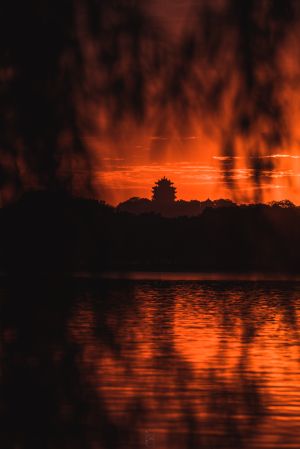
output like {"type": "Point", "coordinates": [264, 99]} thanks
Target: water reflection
{"type": "Point", "coordinates": [145, 364]}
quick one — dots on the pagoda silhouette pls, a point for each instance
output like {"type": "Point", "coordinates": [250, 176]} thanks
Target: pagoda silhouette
{"type": "Point", "coordinates": [164, 192]}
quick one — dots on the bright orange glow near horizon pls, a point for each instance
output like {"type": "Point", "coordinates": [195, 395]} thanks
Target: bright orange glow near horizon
{"type": "Point", "coordinates": [198, 170]}
{"type": "Point", "coordinates": [200, 181]}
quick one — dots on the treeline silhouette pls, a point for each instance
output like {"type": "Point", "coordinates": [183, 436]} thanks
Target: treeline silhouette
{"type": "Point", "coordinates": [48, 232]}
{"type": "Point", "coordinates": [178, 208]}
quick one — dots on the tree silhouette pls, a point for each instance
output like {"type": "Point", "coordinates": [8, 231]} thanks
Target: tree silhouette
{"type": "Point", "coordinates": [164, 191]}
{"type": "Point", "coordinates": [285, 204]}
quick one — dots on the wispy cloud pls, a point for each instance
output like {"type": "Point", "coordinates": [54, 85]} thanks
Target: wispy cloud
{"type": "Point", "coordinates": [278, 156]}
{"type": "Point", "coordinates": [226, 158]}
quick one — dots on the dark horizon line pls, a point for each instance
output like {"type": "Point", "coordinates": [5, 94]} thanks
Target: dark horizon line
{"type": "Point", "coordinates": [67, 194]}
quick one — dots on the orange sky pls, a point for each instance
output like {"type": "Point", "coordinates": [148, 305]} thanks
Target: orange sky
{"type": "Point", "coordinates": [201, 148]}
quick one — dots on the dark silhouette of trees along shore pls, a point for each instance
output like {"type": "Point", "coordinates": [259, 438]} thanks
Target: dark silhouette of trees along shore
{"type": "Point", "coordinates": [45, 232]}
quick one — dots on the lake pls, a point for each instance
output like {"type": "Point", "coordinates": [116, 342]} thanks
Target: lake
{"type": "Point", "coordinates": [147, 363]}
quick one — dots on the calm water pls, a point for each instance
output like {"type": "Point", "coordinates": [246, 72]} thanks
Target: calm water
{"type": "Point", "coordinates": [150, 364]}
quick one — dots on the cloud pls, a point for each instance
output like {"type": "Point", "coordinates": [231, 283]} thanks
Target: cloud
{"type": "Point", "coordinates": [226, 158]}
{"type": "Point", "coordinates": [278, 156]}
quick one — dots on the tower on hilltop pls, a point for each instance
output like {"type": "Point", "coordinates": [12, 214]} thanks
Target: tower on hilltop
{"type": "Point", "coordinates": [164, 192]}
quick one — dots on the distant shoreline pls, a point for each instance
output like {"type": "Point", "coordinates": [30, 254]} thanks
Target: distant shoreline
{"type": "Point", "coordinates": [189, 276]}
{"type": "Point", "coordinates": [163, 276]}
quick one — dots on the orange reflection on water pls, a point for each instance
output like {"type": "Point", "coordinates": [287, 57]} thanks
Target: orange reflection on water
{"type": "Point", "coordinates": [195, 364]}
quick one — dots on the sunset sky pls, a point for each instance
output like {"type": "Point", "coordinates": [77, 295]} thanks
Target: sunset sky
{"type": "Point", "coordinates": [206, 93]}
{"type": "Point", "coordinates": [243, 145]}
